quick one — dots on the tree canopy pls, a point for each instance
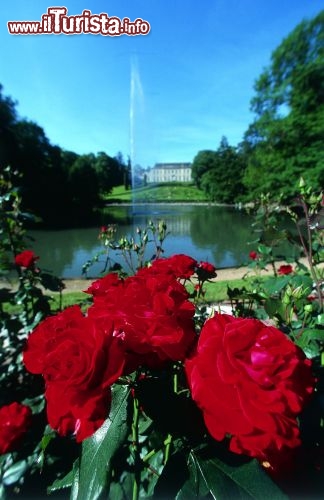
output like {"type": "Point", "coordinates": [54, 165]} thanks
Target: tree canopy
{"type": "Point", "coordinates": [219, 173]}
{"type": "Point", "coordinates": [56, 185]}
{"type": "Point", "coordinates": [285, 141]}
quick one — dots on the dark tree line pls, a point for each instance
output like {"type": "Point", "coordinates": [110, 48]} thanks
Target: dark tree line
{"type": "Point", "coordinates": [59, 186]}
{"type": "Point", "coordinates": [285, 140]}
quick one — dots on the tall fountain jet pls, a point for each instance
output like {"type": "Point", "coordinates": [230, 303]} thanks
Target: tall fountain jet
{"type": "Point", "coordinates": [136, 113]}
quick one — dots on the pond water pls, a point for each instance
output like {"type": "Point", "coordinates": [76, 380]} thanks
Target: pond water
{"type": "Point", "coordinates": [219, 235]}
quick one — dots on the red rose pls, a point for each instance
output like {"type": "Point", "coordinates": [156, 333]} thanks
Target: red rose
{"type": "Point", "coordinates": [285, 269]}
{"type": "Point", "coordinates": [103, 285]}
{"type": "Point", "coordinates": [15, 419]}
{"type": "Point", "coordinates": [180, 265]}
{"type": "Point", "coordinates": [151, 313]}
{"type": "Point", "coordinates": [250, 381]}
{"type": "Point", "coordinates": [253, 255]}
{"type": "Point", "coordinates": [206, 271]}
{"type": "Point", "coordinates": [206, 266]}
{"type": "Point", "coordinates": [27, 259]}
{"type": "Point", "coordinates": [79, 359]}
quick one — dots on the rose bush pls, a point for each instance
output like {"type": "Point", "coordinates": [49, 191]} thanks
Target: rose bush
{"type": "Point", "coordinates": [251, 382]}
{"type": "Point", "coordinates": [143, 344]}
{"type": "Point", "coordinates": [168, 398]}
{"type": "Point", "coordinates": [249, 379]}
{"type": "Point", "coordinates": [15, 420]}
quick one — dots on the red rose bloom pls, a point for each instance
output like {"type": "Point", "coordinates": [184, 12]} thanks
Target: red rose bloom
{"type": "Point", "coordinates": [206, 266]}
{"type": "Point", "coordinates": [103, 285]}
{"type": "Point", "coordinates": [15, 419]}
{"type": "Point", "coordinates": [180, 265]}
{"type": "Point", "coordinates": [250, 381]}
{"type": "Point", "coordinates": [253, 255]}
{"type": "Point", "coordinates": [79, 359]}
{"type": "Point", "coordinates": [27, 259]}
{"type": "Point", "coordinates": [206, 271]}
{"type": "Point", "coordinates": [285, 269]}
{"type": "Point", "coordinates": [151, 313]}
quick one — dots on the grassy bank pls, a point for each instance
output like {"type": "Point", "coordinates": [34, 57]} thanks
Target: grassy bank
{"type": "Point", "coordinates": [159, 193]}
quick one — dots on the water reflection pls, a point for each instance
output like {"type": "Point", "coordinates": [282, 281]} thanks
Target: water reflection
{"type": "Point", "coordinates": [225, 231]}
{"type": "Point", "coordinates": [216, 234]}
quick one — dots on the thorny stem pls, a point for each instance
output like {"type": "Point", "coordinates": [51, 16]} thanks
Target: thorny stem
{"type": "Point", "coordinates": [175, 383]}
{"type": "Point", "coordinates": [156, 450]}
{"type": "Point", "coordinates": [167, 442]}
{"type": "Point", "coordinates": [135, 445]}
{"type": "Point", "coordinates": [274, 268]}
{"type": "Point", "coordinates": [20, 275]}
{"type": "Point", "coordinates": [309, 252]}
{"type": "Point", "coordinates": [129, 261]}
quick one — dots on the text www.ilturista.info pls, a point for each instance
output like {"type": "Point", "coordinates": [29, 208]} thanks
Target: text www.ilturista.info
{"type": "Point", "coordinates": [56, 22]}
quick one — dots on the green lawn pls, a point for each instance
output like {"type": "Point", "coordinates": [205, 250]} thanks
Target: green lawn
{"type": "Point", "coordinates": [175, 192]}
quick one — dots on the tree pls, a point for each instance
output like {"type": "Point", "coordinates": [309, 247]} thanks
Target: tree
{"type": "Point", "coordinates": [219, 173]}
{"type": "Point", "coordinates": [42, 174]}
{"type": "Point", "coordinates": [8, 118]}
{"type": "Point", "coordinates": [109, 172]}
{"type": "Point", "coordinates": [202, 163]}
{"type": "Point", "coordinates": [84, 183]}
{"type": "Point", "coordinates": [286, 139]}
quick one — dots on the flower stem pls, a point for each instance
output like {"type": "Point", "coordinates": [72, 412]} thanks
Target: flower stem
{"type": "Point", "coordinates": [135, 446]}
{"type": "Point", "coordinates": [167, 443]}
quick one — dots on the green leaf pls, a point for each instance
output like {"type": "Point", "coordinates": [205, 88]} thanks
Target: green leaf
{"type": "Point", "coordinates": [76, 480]}
{"type": "Point", "coordinates": [173, 479]}
{"type": "Point", "coordinates": [99, 449]}
{"type": "Point", "coordinates": [311, 350]}
{"type": "Point", "coordinates": [302, 280]}
{"type": "Point", "coordinates": [274, 307]}
{"type": "Point", "coordinates": [274, 285]}
{"type": "Point", "coordinates": [51, 282]}
{"type": "Point", "coordinates": [36, 404]}
{"type": "Point", "coordinates": [66, 481]}
{"type": "Point", "coordinates": [195, 486]}
{"type": "Point", "coordinates": [122, 490]}
{"type": "Point", "coordinates": [313, 334]}
{"type": "Point", "coordinates": [263, 249]}
{"type": "Point", "coordinates": [247, 481]}
{"type": "Point", "coordinates": [320, 319]}
{"type": "Point", "coordinates": [15, 472]}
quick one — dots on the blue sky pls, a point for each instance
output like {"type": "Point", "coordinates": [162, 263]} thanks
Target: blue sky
{"type": "Point", "coordinates": [160, 97]}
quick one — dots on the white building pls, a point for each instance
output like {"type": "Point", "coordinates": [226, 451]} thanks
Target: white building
{"type": "Point", "coordinates": [169, 172]}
